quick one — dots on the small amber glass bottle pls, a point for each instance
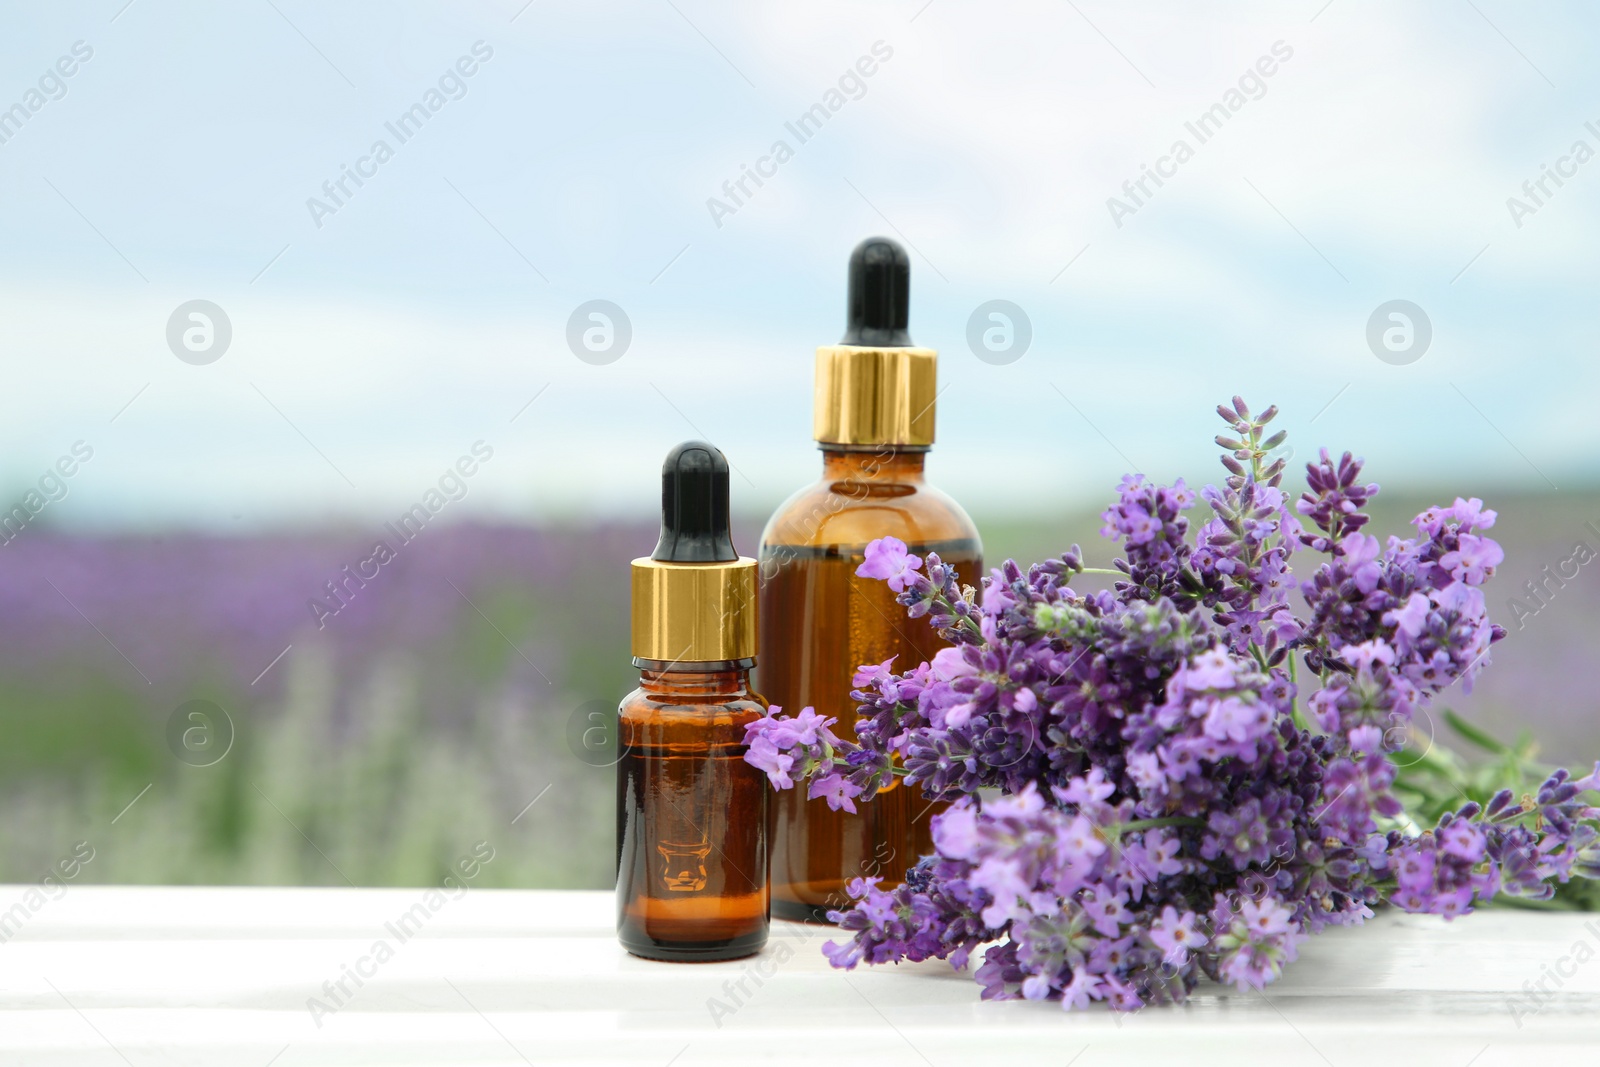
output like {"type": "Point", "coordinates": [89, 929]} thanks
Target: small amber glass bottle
{"type": "Point", "coordinates": [874, 421]}
{"type": "Point", "coordinates": [691, 813]}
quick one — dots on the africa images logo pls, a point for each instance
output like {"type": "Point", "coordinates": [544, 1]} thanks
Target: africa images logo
{"type": "Point", "coordinates": [52, 85]}
{"type": "Point", "coordinates": [1251, 85]}
{"type": "Point", "coordinates": [853, 82]}
{"type": "Point", "coordinates": [452, 85]}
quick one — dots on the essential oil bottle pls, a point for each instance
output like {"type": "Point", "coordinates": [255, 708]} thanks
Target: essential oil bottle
{"type": "Point", "coordinates": [873, 421]}
{"type": "Point", "coordinates": [691, 813]}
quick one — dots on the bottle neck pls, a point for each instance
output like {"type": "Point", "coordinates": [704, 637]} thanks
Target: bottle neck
{"type": "Point", "coordinates": [873, 463]}
{"type": "Point", "coordinates": [695, 680]}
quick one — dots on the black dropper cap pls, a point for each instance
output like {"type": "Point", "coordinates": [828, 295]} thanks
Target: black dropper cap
{"type": "Point", "coordinates": [880, 295]}
{"type": "Point", "coordinates": [694, 506]}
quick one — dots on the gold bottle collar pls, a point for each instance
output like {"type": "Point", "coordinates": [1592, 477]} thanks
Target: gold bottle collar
{"type": "Point", "coordinates": [694, 612]}
{"type": "Point", "coordinates": [875, 396]}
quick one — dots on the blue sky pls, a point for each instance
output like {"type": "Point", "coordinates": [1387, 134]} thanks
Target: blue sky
{"type": "Point", "coordinates": [576, 162]}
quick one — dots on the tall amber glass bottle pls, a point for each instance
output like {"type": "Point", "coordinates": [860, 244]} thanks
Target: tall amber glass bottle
{"type": "Point", "coordinates": [691, 813]}
{"type": "Point", "coordinates": [873, 420]}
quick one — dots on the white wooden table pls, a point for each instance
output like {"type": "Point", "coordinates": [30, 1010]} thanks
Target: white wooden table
{"type": "Point", "coordinates": [118, 975]}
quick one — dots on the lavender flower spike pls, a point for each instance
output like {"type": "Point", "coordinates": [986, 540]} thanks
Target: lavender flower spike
{"type": "Point", "coordinates": [1140, 795]}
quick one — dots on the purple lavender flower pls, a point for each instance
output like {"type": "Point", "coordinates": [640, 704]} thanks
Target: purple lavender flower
{"type": "Point", "coordinates": [1473, 560]}
{"type": "Point", "coordinates": [1147, 519]}
{"type": "Point", "coordinates": [1254, 939]}
{"type": "Point", "coordinates": [1175, 934]}
{"type": "Point", "coordinates": [1465, 514]}
{"type": "Point", "coordinates": [1335, 499]}
{"type": "Point", "coordinates": [837, 790]}
{"type": "Point", "coordinates": [888, 559]}
{"type": "Point", "coordinates": [778, 744]}
{"type": "Point", "coordinates": [764, 755]}
{"type": "Point", "coordinates": [1140, 796]}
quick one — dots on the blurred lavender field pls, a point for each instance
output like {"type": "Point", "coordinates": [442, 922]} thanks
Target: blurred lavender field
{"type": "Point", "coordinates": [419, 719]}
{"type": "Point", "coordinates": [446, 694]}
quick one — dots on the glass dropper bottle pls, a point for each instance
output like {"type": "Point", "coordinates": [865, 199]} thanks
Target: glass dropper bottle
{"type": "Point", "coordinates": [874, 422]}
{"type": "Point", "coordinates": [691, 813]}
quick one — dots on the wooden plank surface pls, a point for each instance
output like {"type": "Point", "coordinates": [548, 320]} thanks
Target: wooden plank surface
{"type": "Point", "coordinates": [250, 977]}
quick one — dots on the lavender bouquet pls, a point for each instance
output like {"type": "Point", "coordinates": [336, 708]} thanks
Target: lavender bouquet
{"type": "Point", "coordinates": [1183, 776]}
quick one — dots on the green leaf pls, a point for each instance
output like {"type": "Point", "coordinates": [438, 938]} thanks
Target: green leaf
{"type": "Point", "coordinates": [1472, 733]}
{"type": "Point", "coordinates": [1556, 903]}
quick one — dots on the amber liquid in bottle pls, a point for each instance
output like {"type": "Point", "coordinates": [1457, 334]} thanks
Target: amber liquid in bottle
{"type": "Point", "coordinates": [819, 622]}
{"type": "Point", "coordinates": [691, 815]}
